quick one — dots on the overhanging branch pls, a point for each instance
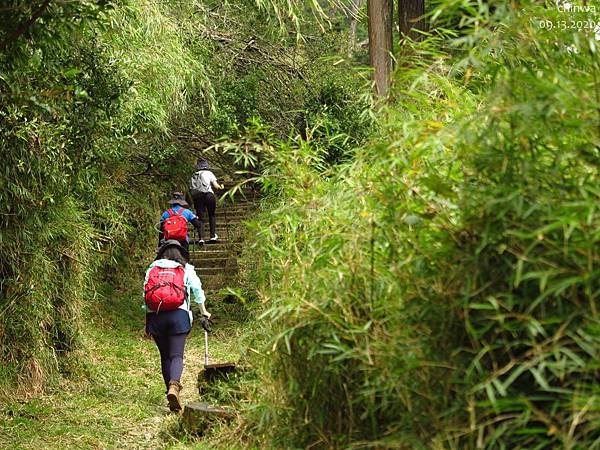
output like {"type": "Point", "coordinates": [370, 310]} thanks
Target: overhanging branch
{"type": "Point", "coordinates": [23, 28]}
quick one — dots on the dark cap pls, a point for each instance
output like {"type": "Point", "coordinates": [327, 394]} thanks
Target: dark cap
{"type": "Point", "coordinates": [178, 199]}
{"type": "Point", "coordinates": [201, 164]}
{"type": "Point", "coordinates": [172, 243]}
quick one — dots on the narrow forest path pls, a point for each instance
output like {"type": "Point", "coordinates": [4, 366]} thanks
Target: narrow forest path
{"type": "Point", "coordinates": [217, 266]}
{"type": "Point", "coordinates": [114, 397]}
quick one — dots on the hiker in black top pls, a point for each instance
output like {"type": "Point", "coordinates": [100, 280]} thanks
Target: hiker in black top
{"type": "Point", "coordinates": [201, 190]}
{"type": "Point", "coordinates": [179, 207]}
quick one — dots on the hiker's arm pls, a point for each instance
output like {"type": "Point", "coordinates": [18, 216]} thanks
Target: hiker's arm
{"type": "Point", "coordinates": [194, 284]}
{"type": "Point", "coordinates": [146, 276]}
{"type": "Point", "coordinates": [196, 222]}
{"type": "Point", "coordinates": [145, 309]}
{"type": "Point", "coordinates": [204, 311]}
{"type": "Point", "coordinates": [216, 184]}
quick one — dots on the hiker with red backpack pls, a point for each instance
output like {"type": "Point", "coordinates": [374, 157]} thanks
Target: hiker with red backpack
{"type": "Point", "coordinates": [173, 222]}
{"type": "Point", "coordinates": [169, 286]}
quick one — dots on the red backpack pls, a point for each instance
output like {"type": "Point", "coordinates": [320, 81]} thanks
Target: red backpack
{"type": "Point", "coordinates": [165, 289]}
{"type": "Point", "coordinates": [175, 227]}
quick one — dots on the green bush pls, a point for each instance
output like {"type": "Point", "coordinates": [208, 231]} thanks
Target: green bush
{"type": "Point", "coordinates": [441, 289]}
{"type": "Point", "coordinates": [529, 240]}
{"type": "Point", "coordinates": [86, 117]}
{"type": "Point", "coordinates": [294, 87]}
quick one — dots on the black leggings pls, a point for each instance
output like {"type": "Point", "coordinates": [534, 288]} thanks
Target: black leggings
{"type": "Point", "coordinates": [206, 201]}
{"type": "Point", "coordinates": [171, 355]}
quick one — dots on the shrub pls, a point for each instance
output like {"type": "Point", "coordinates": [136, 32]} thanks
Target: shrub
{"type": "Point", "coordinates": [441, 289]}
{"type": "Point", "coordinates": [83, 96]}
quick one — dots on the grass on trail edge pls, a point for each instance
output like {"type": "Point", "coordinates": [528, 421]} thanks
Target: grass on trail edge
{"type": "Point", "coordinates": [114, 396]}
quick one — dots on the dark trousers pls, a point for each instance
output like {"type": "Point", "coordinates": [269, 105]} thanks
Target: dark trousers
{"type": "Point", "coordinates": [206, 202]}
{"type": "Point", "coordinates": [171, 355]}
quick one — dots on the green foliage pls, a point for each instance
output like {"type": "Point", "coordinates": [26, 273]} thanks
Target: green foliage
{"type": "Point", "coordinates": [530, 240]}
{"type": "Point", "coordinates": [441, 289]}
{"type": "Point", "coordinates": [343, 276]}
{"type": "Point", "coordinates": [87, 109]}
{"type": "Point", "coordinates": [294, 87]}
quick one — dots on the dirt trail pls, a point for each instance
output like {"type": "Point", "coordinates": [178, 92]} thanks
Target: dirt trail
{"type": "Point", "coordinates": [216, 265]}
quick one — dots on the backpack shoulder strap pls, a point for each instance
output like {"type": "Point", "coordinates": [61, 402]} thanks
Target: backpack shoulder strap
{"type": "Point", "coordinates": [186, 288]}
{"type": "Point", "coordinates": [180, 212]}
{"type": "Point", "coordinates": [171, 212]}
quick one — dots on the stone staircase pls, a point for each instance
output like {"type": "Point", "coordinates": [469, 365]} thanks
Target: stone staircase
{"type": "Point", "coordinates": [216, 263]}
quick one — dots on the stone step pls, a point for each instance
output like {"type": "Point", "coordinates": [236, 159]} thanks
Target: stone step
{"type": "Point", "coordinates": [221, 219]}
{"type": "Point", "coordinates": [220, 228]}
{"type": "Point", "coordinates": [236, 210]}
{"type": "Point", "coordinates": [236, 215]}
{"type": "Point", "coordinates": [233, 213]}
{"type": "Point", "coordinates": [215, 270]}
{"type": "Point", "coordinates": [239, 200]}
{"type": "Point", "coordinates": [201, 263]}
{"type": "Point", "coordinates": [229, 263]}
{"type": "Point", "coordinates": [221, 244]}
{"type": "Point", "coordinates": [233, 217]}
{"type": "Point", "coordinates": [205, 254]}
{"type": "Point", "coordinates": [240, 203]}
{"type": "Point", "coordinates": [224, 238]}
{"type": "Point", "coordinates": [224, 251]}
{"type": "Point", "coordinates": [215, 282]}
{"type": "Point", "coordinates": [230, 225]}
{"type": "Point", "coordinates": [239, 193]}
{"type": "Point", "coordinates": [246, 202]}
{"type": "Point", "coordinates": [223, 222]}
{"type": "Point", "coordinates": [198, 416]}
{"type": "Point", "coordinates": [227, 225]}
{"type": "Point", "coordinates": [198, 258]}
{"type": "Point", "coordinates": [227, 201]}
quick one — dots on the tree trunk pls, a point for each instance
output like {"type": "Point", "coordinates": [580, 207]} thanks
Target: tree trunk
{"type": "Point", "coordinates": [380, 43]}
{"type": "Point", "coordinates": [356, 4]}
{"type": "Point", "coordinates": [410, 13]}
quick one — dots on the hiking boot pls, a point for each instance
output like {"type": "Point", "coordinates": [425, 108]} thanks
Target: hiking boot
{"type": "Point", "coordinates": [214, 238]}
{"type": "Point", "coordinates": [173, 395]}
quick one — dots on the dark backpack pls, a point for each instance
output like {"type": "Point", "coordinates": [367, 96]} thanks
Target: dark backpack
{"type": "Point", "coordinates": [175, 227]}
{"type": "Point", "coordinates": [165, 289]}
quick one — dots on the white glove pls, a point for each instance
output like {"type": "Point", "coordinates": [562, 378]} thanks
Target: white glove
{"type": "Point", "coordinates": [204, 312]}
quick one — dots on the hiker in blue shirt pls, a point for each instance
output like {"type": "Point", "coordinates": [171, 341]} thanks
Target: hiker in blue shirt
{"type": "Point", "coordinates": [173, 222]}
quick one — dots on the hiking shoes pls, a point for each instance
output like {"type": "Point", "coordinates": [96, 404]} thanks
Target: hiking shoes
{"type": "Point", "coordinates": [173, 396]}
{"type": "Point", "coordinates": [214, 238]}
